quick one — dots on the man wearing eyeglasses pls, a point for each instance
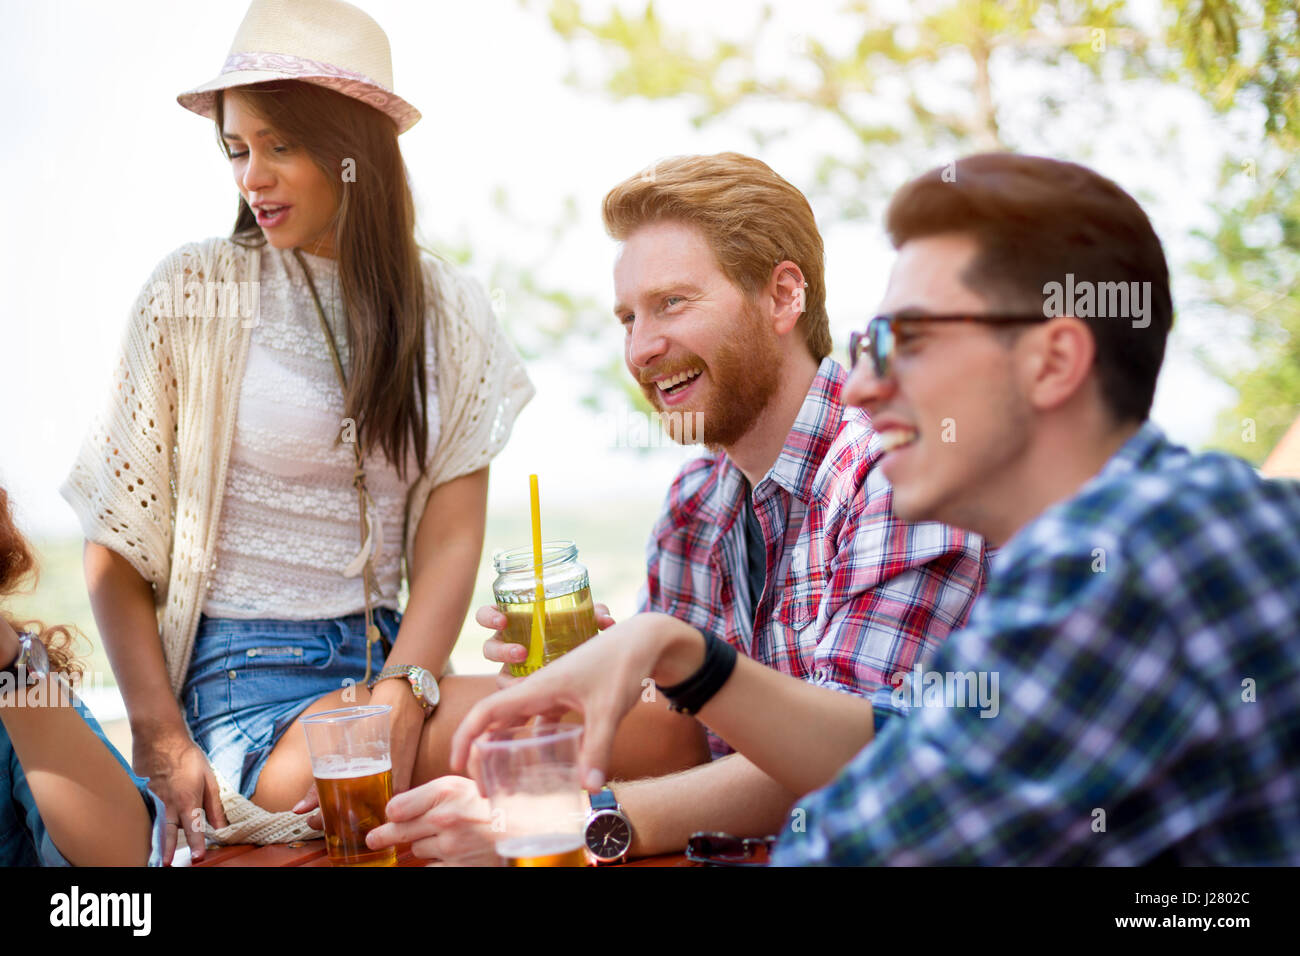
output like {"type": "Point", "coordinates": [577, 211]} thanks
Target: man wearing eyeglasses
{"type": "Point", "coordinates": [1140, 620]}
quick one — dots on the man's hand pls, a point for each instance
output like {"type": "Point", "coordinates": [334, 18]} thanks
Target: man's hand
{"type": "Point", "coordinates": [505, 653]}
{"type": "Point", "coordinates": [444, 819]}
{"type": "Point", "coordinates": [179, 774]}
{"type": "Point", "coordinates": [603, 680]}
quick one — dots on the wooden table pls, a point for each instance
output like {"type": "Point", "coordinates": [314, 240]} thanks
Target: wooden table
{"type": "Point", "coordinates": [308, 853]}
{"type": "Point", "coordinates": [312, 853]}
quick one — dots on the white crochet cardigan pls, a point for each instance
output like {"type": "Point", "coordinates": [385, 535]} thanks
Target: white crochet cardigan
{"type": "Point", "coordinates": [149, 477]}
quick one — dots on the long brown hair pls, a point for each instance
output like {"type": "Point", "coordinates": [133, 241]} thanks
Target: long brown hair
{"type": "Point", "coordinates": [380, 276]}
{"type": "Point", "coordinates": [17, 566]}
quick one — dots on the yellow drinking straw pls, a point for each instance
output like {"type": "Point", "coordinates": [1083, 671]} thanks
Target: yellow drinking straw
{"type": "Point", "coordinates": [538, 636]}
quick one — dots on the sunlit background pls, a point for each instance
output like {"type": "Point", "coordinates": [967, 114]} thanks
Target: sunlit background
{"type": "Point", "coordinates": [531, 112]}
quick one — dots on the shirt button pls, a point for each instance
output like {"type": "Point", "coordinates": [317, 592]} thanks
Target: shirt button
{"type": "Point", "coordinates": [231, 674]}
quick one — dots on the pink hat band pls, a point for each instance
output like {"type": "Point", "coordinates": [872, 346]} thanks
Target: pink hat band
{"type": "Point", "coordinates": [241, 68]}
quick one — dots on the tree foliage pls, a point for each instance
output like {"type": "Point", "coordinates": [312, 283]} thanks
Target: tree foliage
{"type": "Point", "coordinates": [898, 87]}
{"type": "Point", "coordinates": [1246, 57]}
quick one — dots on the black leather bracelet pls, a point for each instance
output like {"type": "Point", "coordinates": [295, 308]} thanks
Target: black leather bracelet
{"type": "Point", "coordinates": [688, 696]}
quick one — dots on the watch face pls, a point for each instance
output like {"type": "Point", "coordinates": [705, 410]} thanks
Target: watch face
{"type": "Point", "coordinates": [38, 660]}
{"type": "Point", "coordinates": [429, 689]}
{"type": "Point", "coordinates": [608, 835]}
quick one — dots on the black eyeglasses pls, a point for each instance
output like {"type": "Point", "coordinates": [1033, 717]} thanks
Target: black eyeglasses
{"type": "Point", "coordinates": [723, 849]}
{"type": "Point", "coordinates": [881, 333]}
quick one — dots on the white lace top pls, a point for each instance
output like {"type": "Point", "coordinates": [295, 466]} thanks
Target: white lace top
{"type": "Point", "coordinates": [289, 520]}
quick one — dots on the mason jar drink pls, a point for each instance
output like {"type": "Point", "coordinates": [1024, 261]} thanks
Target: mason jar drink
{"type": "Point", "coordinates": [569, 616]}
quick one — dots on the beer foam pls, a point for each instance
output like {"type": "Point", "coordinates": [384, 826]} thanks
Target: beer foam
{"type": "Point", "coordinates": [340, 768]}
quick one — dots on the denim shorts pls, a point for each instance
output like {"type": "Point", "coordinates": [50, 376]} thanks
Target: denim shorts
{"type": "Point", "coordinates": [250, 680]}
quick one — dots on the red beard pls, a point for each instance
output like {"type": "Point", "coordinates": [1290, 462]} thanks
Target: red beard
{"type": "Point", "coordinates": [743, 377]}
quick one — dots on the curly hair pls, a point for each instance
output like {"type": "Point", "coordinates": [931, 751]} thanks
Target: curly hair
{"type": "Point", "coordinates": [17, 566]}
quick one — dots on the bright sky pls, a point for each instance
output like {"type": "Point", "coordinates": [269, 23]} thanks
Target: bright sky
{"type": "Point", "coordinates": [105, 174]}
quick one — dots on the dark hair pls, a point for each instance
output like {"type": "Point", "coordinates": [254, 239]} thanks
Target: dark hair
{"type": "Point", "coordinates": [751, 217]}
{"type": "Point", "coordinates": [1035, 221]}
{"type": "Point", "coordinates": [380, 276]}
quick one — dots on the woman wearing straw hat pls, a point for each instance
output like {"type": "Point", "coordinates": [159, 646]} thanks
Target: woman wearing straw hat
{"type": "Point", "coordinates": [302, 410]}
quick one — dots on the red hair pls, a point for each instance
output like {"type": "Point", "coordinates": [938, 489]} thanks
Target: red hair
{"type": "Point", "coordinates": [751, 217]}
{"type": "Point", "coordinates": [17, 565]}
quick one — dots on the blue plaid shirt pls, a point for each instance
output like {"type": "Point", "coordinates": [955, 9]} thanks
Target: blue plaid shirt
{"type": "Point", "coordinates": [1141, 646]}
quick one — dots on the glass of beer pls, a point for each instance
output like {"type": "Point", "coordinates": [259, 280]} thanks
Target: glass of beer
{"type": "Point", "coordinates": [569, 615]}
{"type": "Point", "coordinates": [539, 812]}
{"type": "Point", "coordinates": [353, 767]}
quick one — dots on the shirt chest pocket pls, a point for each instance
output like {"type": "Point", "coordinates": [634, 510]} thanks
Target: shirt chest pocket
{"type": "Point", "coordinates": [801, 592]}
{"type": "Point", "coordinates": [798, 609]}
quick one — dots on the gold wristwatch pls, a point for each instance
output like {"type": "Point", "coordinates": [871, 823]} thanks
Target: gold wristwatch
{"type": "Point", "coordinates": [423, 684]}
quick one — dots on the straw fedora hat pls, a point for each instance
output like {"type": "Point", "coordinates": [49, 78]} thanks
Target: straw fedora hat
{"type": "Point", "coordinates": [325, 42]}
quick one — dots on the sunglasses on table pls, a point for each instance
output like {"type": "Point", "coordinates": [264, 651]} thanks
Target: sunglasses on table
{"type": "Point", "coordinates": [882, 332]}
{"type": "Point", "coordinates": [723, 849]}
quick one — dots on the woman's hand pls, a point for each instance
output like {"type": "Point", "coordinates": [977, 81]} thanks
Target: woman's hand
{"type": "Point", "coordinates": [505, 653]}
{"type": "Point", "coordinates": [180, 775]}
{"type": "Point", "coordinates": [603, 680]}
{"type": "Point", "coordinates": [310, 803]}
{"type": "Point", "coordinates": [406, 724]}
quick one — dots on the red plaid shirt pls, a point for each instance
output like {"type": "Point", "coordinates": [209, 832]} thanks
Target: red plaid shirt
{"type": "Point", "coordinates": [853, 595]}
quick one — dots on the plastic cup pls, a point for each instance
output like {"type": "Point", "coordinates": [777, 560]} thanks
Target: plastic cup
{"type": "Point", "coordinates": [353, 767]}
{"type": "Point", "coordinates": [530, 775]}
